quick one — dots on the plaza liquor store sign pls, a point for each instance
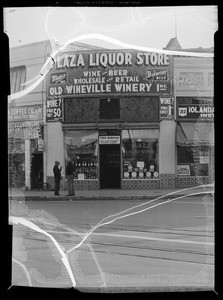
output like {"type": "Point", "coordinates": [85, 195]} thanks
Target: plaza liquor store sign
{"type": "Point", "coordinates": [195, 111]}
{"type": "Point", "coordinates": [110, 72]}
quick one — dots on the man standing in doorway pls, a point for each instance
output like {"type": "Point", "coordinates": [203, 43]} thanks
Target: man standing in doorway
{"type": "Point", "coordinates": [70, 177]}
{"type": "Point", "coordinates": [57, 177]}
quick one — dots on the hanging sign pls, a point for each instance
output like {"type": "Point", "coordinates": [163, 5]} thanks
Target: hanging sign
{"type": "Point", "coordinates": [108, 140]}
{"type": "Point", "coordinates": [195, 111]}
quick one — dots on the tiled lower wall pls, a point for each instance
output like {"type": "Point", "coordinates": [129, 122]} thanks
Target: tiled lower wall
{"type": "Point", "coordinates": [86, 184]}
{"type": "Point", "coordinates": [190, 181]}
{"type": "Point", "coordinates": [78, 184]}
{"type": "Point", "coordinates": [135, 184]}
{"type": "Point", "coordinates": [50, 183]}
{"type": "Point", "coordinates": [165, 181]}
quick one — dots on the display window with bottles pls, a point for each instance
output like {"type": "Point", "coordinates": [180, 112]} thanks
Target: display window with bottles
{"type": "Point", "coordinates": [140, 154]}
{"type": "Point", "coordinates": [81, 148]}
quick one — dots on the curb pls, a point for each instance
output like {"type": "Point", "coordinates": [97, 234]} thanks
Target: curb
{"type": "Point", "coordinates": [82, 198]}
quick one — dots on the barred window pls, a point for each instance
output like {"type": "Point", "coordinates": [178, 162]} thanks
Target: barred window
{"type": "Point", "coordinates": [17, 77]}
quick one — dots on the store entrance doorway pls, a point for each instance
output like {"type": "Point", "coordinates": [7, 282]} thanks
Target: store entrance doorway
{"type": "Point", "coordinates": [110, 166]}
{"type": "Point", "coordinates": [37, 171]}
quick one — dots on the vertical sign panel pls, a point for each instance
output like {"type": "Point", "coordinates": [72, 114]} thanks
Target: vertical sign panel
{"type": "Point", "coordinates": [54, 110]}
{"type": "Point", "coordinates": [166, 108]}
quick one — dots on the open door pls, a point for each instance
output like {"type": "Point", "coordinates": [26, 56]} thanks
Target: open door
{"type": "Point", "coordinates": [110, 166]}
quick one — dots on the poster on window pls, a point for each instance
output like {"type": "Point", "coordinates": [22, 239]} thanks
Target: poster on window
{"type": "Point", "coordinates": [183, 170]}
{"type": "Point", "coordinates": [204, 159]}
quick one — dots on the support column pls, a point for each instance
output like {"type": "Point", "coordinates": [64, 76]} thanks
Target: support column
{"type": "Point", "coordinates": [54, 151]}
{"type": "Point", "coordinates": [167, 154]}
{"type": "Point", "coordinates": [27, 164]}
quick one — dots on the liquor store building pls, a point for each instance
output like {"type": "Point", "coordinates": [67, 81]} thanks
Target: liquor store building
{"type": "Point", "coordinates": [112, 114]}
{"type": "Point", "coordinates": [127, 119]}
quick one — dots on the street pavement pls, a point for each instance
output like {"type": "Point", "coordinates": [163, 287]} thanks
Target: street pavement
{"type": "Point", "coordinates": [139, 244]}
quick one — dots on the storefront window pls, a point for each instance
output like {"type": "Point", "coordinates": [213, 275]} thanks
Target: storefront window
{"type": "Point", "coordinates": [193, 161]}
{"type": "Point", "coordinates": [140, 154]}
{"type": "Point", "coordinates": [81, 147]}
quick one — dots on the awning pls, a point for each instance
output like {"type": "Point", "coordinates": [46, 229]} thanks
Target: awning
{"type": "Point", "coordinates": [196, 134]}
{"type": "Point", "coordinates": [24, 130]}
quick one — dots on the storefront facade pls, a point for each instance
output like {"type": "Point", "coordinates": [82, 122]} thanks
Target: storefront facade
{"type": "Point", "coordinates": [126, 119]}
{"type": "Point", "coordinates": [25, 133]}
{"type": "Point", "coordinates": [195, 121]}
{"type": "Point", "coordinates": [116, 113]}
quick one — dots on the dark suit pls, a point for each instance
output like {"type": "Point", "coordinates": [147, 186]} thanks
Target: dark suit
{"type": "Point", "coordinates": [57, 178]}
{"type": "Point", "coordinates": [70, 177]}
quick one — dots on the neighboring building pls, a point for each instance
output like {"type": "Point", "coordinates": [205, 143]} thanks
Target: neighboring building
{"type": "Point", "coordinates": [27, 128]}
{"type": "Point", "coordinates": [194, 95]}
{"type": "Point", "coordinates": [194, 100]}
{"type": "Point", "coordinates": [119, 115]}
{"type": "Point", "coordinates": [26, 116]}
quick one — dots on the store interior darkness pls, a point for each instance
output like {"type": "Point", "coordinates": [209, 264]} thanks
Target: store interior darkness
{"type": "Point", "coordinates": [110, 166]}
{"type": "Point", "coordinates": [37, 171]}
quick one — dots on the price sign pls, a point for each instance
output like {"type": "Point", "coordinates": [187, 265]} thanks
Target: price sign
{"type": "Point", "coordinates": [53, 110]}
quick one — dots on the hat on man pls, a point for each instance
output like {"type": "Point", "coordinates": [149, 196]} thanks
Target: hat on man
{"type": "Point", "coordinates": [57, 162]}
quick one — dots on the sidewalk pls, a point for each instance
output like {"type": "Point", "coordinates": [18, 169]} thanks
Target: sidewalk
{"type": "Point", "coordinates": [106, 194]}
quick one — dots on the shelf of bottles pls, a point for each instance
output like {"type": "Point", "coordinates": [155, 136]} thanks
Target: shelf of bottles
{"type": "Point", "coordinates": [85, 169]}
